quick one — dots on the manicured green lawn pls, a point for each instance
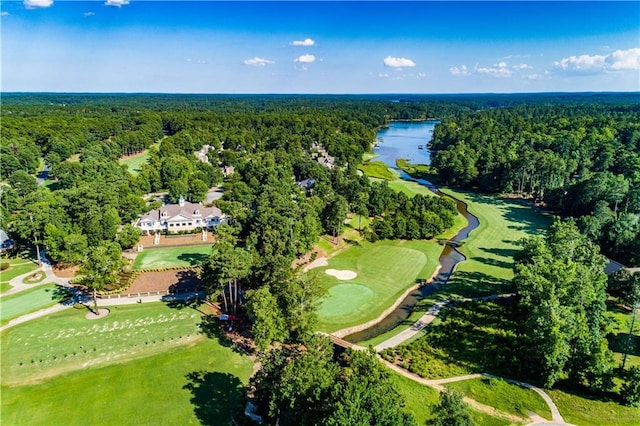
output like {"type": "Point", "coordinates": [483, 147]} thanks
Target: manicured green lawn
{"type": "Point", "coordinates": [17, 267]}
{"type": "Point", "coordinates": [589, 412]}
{"type": "Point", "coordinates": [155, 390]}
{"type": "Point", "coordinates": [5, 287]}
{"type": "Point", "coordinates": [28, 301]}
{"type": "Point", "coordinates": [135, 162]}
{"type": "Point", "coordinates": [504, 396]}
{"type": "Point", "coordinates": [490, 248]}
{"type": "Point", "coordinates": [172, 257]}
{"type": "Point", "coordinates": [420, 399]}
{"type": "Point", "coordinates": [410, 188]}
{"type": "Point", "coordinates": [385, 270]}
{"type": "Point", "coordinates": [378, 169]}
{"type": "Point", "coordinates": [67, 341]}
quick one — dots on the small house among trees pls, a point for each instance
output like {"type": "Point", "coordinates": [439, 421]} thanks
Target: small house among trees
{"type": "Point", "coordinates": [184, 216]}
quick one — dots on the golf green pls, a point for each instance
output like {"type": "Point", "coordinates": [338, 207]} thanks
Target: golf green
{"type": "Point", "coordinates": [385, 269]}
{"type": "Point", "coordinates": [344, 299]}
{"type": "Point", "coordinates": [172, 257]}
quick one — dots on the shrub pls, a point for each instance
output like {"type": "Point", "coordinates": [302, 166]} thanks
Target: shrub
{"type": "Point", "coordinates": [630, 390]}
{"type": "Point", "coordinates": [4, 266]}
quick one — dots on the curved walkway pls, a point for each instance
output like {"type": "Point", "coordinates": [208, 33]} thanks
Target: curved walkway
{"type": "Point", "coordinates": [17, 284]}
{"type": "Point", "coordinates": [556, 417]}
{"type": "Point", "coordinates": [427, 318]}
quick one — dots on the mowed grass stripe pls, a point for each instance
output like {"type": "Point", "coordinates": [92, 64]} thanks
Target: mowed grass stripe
{"type": "Point", "coordinates": [27, 301]}
{"type": "Point", "coordinates": [172, 257]}
{"type": "Point", "coordinates": [490, 247]}
{"type": "Point", "coordinates": [147, 391]}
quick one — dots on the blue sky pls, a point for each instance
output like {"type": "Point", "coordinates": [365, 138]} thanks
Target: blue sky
{"type": "Point", "coordinates": [319, 47]}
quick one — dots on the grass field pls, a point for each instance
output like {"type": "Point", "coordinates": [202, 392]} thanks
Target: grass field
{"type": "Point", "coordinates": [472, 337]}
{"type": "Point", "coordinates": [5, 287]}
{"type": "Point", "coordinates": [385, 269]}
{"type": "Point", "coordinates": [419, 400]}
{"type": "Point", "coordinates": [17, 267]}
{"type": "Point", "coordinates": [378, 169]}
{"type": "Point", "coordinates": [27, 301]}
{"type": "Point", "coordinates": [490, 248]}
{"type": "Point", "coordinates": [584, 411]}
{"type": "Point", "coordinates": [150, 365]}
{"type": "Point", "coordinates": [504, 396]}
{"type": "Point", "coordinates": [172, 257]}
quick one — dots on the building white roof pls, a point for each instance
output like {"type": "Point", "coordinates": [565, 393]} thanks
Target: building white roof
{"type": "Point", "coordinates": [183, 211]}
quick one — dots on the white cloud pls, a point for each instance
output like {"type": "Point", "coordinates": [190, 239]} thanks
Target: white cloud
{"type": "Point", "coordinates": [620, 60]}
{"type": "Point", "coordinates": [544, 76]}
{"type": "Point", "coordinates": [501, 69]}
{"type": "Point", "coordinates": [624, 59]}
{"type": "Point", "coordinates": [522, 67]}
{"type": "Point", "coordinates": [33, 4]}
{"type": "Point", "coordinates": [383, 75]}
{"type": "Point", "coordinates": [421, 75]}
{"type": "Point", "coordinates": [306, 59]}
{"type": "Point", "coordinates": [392, 62]}
{"type": "Point", "coordinates": [581, 63]}
{"type": "Point", "coordinates": [462, 70]}
{"type": "Point", "coordinates": [116, 3]}
{"type": "Point", "coordinates": [306, 42]}
{"type": "Point", "coordinates": [258, 62]}
{"type": "Point", "coordinates": [88, 14]}
{"type": "Point", "coordinates": [4, 14]}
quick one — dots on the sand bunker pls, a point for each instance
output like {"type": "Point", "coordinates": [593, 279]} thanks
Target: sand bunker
{"type": "Point", "coordinates": [341, 275]}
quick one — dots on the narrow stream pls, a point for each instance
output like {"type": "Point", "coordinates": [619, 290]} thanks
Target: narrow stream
{"type": "Point", "coordinates": [449, 257]}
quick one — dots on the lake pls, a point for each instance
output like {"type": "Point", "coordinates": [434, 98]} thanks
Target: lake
{"type": "Point", "coordinates": [402, 139]}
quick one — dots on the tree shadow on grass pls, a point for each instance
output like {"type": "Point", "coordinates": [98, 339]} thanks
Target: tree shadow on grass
{"type": "Point", "coordinates": [215, 396]}
{"type": "Point", "coordinates": [501, 251]}
{"type": "Point", "coordinates": [622, 343]}
{"type": "Point", "coordinates": [193, 259]}
{"type": "Point", "coordinates": [475, 284]}
{"type": "Point", "coordinates": [61, 294]}
{"type": "Point", "coordinates": [191, 301]}
{"type": "Point", "coordinates": [494, 262]}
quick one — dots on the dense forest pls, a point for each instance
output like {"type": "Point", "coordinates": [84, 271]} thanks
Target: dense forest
{"type": "Point", "coordinates": [288, 166]}
{"type": "Point", "coordinates": [582, 161]}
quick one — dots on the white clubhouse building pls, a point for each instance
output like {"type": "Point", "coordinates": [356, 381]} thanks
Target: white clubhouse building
{"type": "Point", "coordinates": [184, 216]}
